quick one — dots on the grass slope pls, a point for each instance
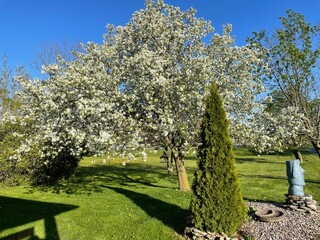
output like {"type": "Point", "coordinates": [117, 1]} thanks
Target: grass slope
{"type": "Point", "coordinates": [136, 201]}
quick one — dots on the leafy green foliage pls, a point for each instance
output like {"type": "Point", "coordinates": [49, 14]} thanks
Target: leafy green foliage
{"type": "Point", "coordinates": [293, 55]}
{"type": "Point", "coordinates": [217, 204]}
{"type": "Point", "coordinates": [12, 172]}
{"type": "Point", "coordinates": [8, 100]}
{"type": "Point", "coordinates": [31, 167]}
{"type": "Point", "coordinates": [50, 169]}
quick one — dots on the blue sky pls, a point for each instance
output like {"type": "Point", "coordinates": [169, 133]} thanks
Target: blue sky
{"type": "Point", "coordinates": [25, 25]}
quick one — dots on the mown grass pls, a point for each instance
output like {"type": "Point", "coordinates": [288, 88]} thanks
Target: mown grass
{"type": "Point", "coordinates": [136, 201]}
{"type": "Point", "coordinates": [263, 178]}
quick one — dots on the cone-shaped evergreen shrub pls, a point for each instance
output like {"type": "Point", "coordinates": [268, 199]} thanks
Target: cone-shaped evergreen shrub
{"type": "Point", "coordinates": [217, 204]}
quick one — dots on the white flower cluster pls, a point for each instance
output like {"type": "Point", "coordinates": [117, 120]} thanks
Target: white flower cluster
{"type": "Point", "coordinates": [278, 131]}
{"type": "Point", "coordinates": [77, 108]}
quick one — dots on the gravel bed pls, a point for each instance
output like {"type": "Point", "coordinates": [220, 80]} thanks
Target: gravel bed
{"type": "Point", "coordinates": [296, 225]}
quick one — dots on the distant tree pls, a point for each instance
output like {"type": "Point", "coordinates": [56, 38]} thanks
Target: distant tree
{"type": "Point", "coordinates": [51, 51]}
{"type": "Point", "coordinates": [216, 204]}
{"type": "Point", "coordinates": [4, 86]}
{"type": "Point", "coordinates": [293, 82]}
{"type": "Point", "coordinates": [8, 87]}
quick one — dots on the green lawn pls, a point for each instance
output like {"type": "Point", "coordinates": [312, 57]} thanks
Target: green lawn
{"type": "Point", "coordinates": [136, 201]}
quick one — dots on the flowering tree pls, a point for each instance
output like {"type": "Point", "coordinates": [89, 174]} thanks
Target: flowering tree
{"type": "Point", "coordinates": [165, 69]}
{"type": "Point", "coordinates": [145, 84]}
{"type": "Point", "coordinates": [77, 110]}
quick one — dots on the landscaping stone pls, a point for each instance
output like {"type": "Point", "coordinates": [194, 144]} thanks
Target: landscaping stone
{"type": "Point", "coordinates": [270, 215]}
{"type": "Point", "coordinates": [191, 233]}
{"type": "Point", "coordinates": [301, 203]}
{"type": "Point", "coordinates": [312, 206]}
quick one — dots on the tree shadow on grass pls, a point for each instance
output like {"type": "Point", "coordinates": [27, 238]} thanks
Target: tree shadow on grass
{"type": "Point", "coordinates": [15, 212]}
{"type": "Point", "coordinates": [256, 160]}
{"type": "Point", "coordinates": [263, 176]}
{"type": "Point", "coordinates": [169, 214]}
{"type": "Point", "coordinates": [88, 180]}
{"type": "Point", "coordinates": [312, 181]}
{"type": "Point", "coordinates": [284, 178]}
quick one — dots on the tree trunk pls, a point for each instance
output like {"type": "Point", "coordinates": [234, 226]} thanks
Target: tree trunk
{"type": "Point", "coordinates": [181, 172]}
{"type": "Point", "coordinates": [298, 155]}
{"type": "Point", "coordinates": [170, 165]}
{"type": "Point", "coordinates": [316, 146]}
{"type": "Point", "coordinates": [165, 158]}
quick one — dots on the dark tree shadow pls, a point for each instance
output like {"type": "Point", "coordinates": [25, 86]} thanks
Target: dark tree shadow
{"type": "Point", "coordinates": [284, 178]}
{"type": "Point", "coordinates": [263, 176]}
{"type": "Point", "coordinates": [169, 214]}
{"type": "Point", "coordinates": [88, 180]}
{"type": "Point", "coordinates": [312, 181]}
{"type": "Point", "coordinates": [256, 160]}
{"type": "Point", "coordinates": [15, 212]}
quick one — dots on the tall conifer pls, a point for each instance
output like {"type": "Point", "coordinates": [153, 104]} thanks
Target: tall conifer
{"type": "Point", "coordinates": [217, 204]}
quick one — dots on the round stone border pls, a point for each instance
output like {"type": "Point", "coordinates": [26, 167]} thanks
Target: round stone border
{"type": "Point", "coordinates": [270, 215]}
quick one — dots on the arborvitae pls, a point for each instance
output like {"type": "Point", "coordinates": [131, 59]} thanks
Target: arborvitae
{"type": "Point", "coordinates": [217, 204]}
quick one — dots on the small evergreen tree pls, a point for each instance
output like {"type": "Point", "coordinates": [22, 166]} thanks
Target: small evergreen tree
{"type": "Point", "coordinates": [217, 204]}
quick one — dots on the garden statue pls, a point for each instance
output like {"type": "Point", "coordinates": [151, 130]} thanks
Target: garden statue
{"type": "Point", "coordinates": [295, 176]}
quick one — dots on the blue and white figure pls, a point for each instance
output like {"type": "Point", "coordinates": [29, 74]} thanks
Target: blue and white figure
{"type": "Point", "coordinates": [295, 176]}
